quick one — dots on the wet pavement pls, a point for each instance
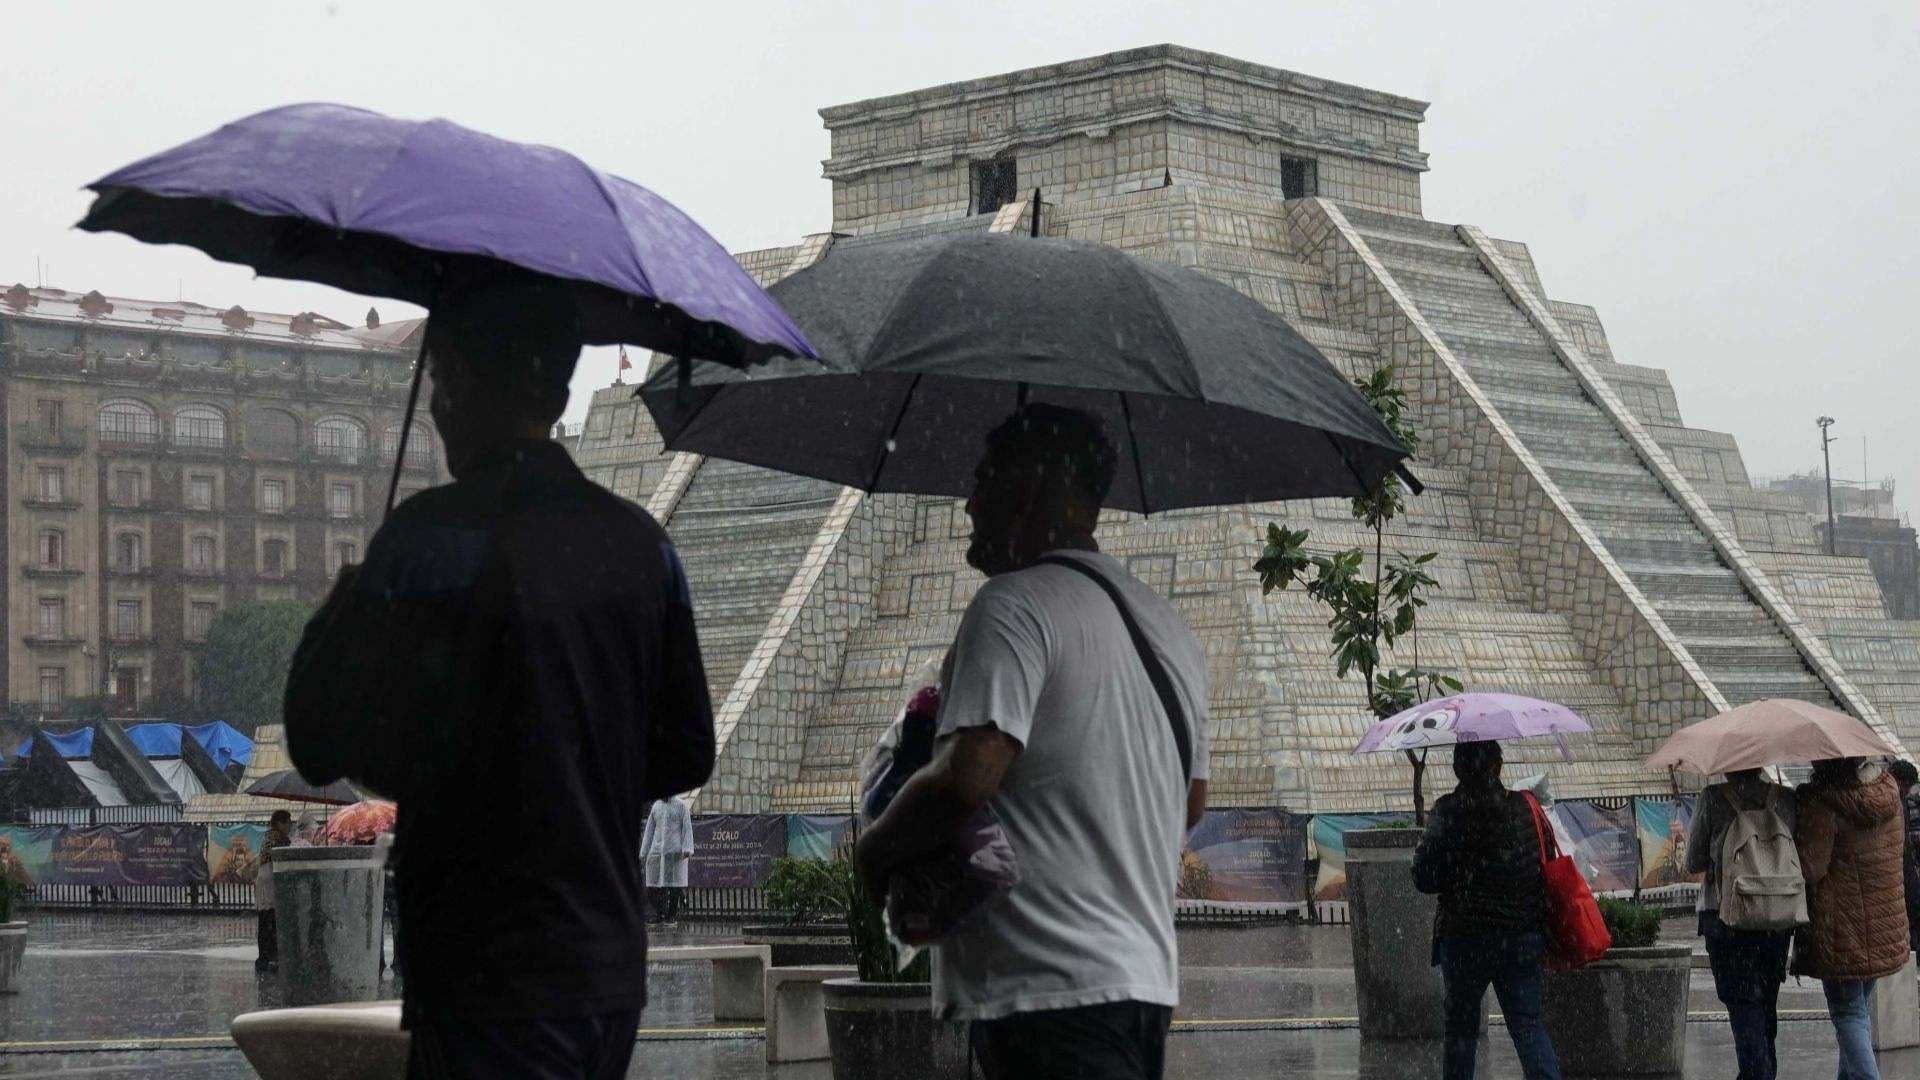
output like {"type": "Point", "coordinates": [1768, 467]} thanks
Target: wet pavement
{"type": "Point", "coordinates": [127, 995]}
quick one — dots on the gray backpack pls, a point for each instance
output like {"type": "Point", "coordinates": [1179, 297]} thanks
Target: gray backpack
{"type": "Point", "coordinates": [1759, 870]}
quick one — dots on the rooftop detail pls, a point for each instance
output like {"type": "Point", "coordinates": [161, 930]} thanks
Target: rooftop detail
{"type": "Point", "coordinates": [307, 328]}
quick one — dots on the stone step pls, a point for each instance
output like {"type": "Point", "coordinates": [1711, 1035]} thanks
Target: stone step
{"type": "Point", "coordinates": [1663, 582]}
{"type": "Point", "coordinates": [1692, 551]}
{"type": "Point", "coordinates": [1399, 251]}
{"type": "Point", "coordinates": [1372, 222]}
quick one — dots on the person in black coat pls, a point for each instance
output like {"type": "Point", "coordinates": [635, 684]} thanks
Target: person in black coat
{"type": "Point", "coordinates": [1481, 855]}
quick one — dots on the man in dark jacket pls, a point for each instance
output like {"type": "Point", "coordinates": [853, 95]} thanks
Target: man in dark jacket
{"type": "Point", "coordinates": [1905, 775]}
{"type": "Point", "coordinates": [516, 663]}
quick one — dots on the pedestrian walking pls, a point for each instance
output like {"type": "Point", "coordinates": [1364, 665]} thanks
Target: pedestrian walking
{"type": "Point", "coordinates": [1907, 777]}
{"type": "Point", "coordinates": [1075, 713]}
{"type": "Point", "coordinates": [1849, 832]}
{"type": "Point", "coordinates": [515, 663]}
{"type": "Point", "coordinates": [666, 848]}
{"type": "Point", "coordinates": [1748, 963]}
{"type": "Point", "coordinates": [266, 922]}
{"type": "Point", "coordinates": [1482, 855]}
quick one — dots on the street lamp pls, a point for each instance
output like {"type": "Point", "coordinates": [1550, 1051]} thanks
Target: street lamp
{"type": "Point", "coordinates": [1826, 455]}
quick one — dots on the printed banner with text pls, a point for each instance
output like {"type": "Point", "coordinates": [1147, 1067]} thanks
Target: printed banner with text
{"type": "Point", "coordinates": [735, 851]}
{"type": "Point", "coordinates": [169, 854]}
{"type": "Point", "coordinates": [1246, 856]}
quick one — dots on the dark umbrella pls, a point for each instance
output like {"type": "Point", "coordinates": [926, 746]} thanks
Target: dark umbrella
{"type": "Point", "coordinates": [363, 202]}
{"type": "Point", "coordinates": [286, 784]}
{"type": "Point", "coordinates": [1210, 398]}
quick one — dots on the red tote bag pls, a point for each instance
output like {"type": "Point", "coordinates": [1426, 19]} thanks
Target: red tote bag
{"type": "Point", "coordinates": [1576, 934]}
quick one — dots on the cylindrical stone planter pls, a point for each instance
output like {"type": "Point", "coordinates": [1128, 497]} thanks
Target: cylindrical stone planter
{"type": "Point", "coordinates": [1399, 989]}
{"type": "Point", "coordinates": [1622, 1015]}
{"type": "Point", "coordinates": [877, 1031]}
{"type": "Point", "coordinates": [327, 901]}
{"type": "Point", "coordinates": [13, 953]}
{"type": "Point", "coordinates": [803, 945]}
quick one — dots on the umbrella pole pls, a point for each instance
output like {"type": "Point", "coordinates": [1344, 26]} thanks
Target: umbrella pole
{"type": "Point", "coordinates": [886, 448]}
{"type": "Point", "coordinates": [1139, 474]}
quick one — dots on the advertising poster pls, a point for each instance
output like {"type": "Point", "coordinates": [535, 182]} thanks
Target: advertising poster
{"type": "Point", "coordinates": [1248, 856]}
{"type": "Point", "coordinates": [1663, 825]}
{"type": "Point", "coordinates": [233, 853]}
{"type": "Point", "coordinates": [735, 851]}
{"type": "Point", "coordinates": [169, 854]}
{"type": "Point", "coordinates": [817, 836]}
{"type": "Point", "coordinates": [1328, 842]}
{"type": "Point", "coordinates": [26, 853]}
{"type": "Point", "coordinates": [1606, 843]}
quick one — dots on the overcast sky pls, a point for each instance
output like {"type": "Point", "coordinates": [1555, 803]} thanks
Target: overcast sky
{"type": "Point", "coordinates": [1736, 186]}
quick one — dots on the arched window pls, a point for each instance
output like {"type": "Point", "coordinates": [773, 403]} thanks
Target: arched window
{"type": "Point", "coordinates": [345, 553]}
{"type": "Point", "coordinates": [419, 444]}
{"type": "Point", "coordinates": [340, 439]}
{"type": "Point", "coordinates": [273, 431]}
{"type": "Point", "coordinates": [128, 421]}
{"type": "Point", "coordinates": [200, 426]}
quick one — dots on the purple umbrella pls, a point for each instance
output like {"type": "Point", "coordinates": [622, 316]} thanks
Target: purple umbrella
{"type": "Point", "coordinates": [1470, 718]}
{"type": "Point", "coordinates": [363, 202]}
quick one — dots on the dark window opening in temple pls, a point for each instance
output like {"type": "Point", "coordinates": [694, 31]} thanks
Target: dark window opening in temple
{"type": "Point", "coordinates": [995, 184]}
{"type": "Point", "coordinates": [1297, 178]}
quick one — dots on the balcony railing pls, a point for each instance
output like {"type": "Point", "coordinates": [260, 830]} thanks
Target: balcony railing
{"type": "Point", "coordinates": [42, 437]}
{"type": "Point", "coordinates": [53, 638]}
{"type": "Point", "coordinates": [50, 570]}
{"type": "Point", "coordinates": [137, 438]}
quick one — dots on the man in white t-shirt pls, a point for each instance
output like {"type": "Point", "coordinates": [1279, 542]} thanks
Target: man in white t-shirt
{"type": "Point", "coordinates": [1051, 718]}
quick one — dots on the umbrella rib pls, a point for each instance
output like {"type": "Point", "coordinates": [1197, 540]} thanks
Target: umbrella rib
{"type": "Point", "coordinates": [1133, 443]}
{"type": "Point", "coordinates": [886, 448]}
{"type": "Point", "coordinates": [1347, 461]}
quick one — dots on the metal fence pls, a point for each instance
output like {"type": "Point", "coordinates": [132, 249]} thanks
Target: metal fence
{"type": "Point", "coordinates": [184, 898]}
{"type": "Point", "coordinates": [158, 813]}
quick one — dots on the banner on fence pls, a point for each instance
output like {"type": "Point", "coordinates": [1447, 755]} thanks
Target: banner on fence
{"type": "Point", "coordinates": [1248, 856]}
{"type": "Point", "coordinates": [735, 851]}
{"type": "Point", "coordinates": [1327, 842]}
{"type": "Point", "coordinates": [817, 836]}
{"type": "Point", "coordinates": [1663, 825]}
{"type": "Point", "coordinates": [1605, 842]}
{"type": "Point", "coordinates": [233, 853]}
{"type": "Point", "coordinates": [170, 854]}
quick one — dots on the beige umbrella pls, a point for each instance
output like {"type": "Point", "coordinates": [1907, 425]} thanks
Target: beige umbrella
{"type": "Point", "coordinates": [1771, 732]}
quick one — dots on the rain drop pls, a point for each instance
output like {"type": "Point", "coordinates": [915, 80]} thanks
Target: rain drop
{"type": "Point", "coordinates": [890, 446]}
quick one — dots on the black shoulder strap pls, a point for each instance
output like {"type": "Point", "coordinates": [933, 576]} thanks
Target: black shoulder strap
{"type": "Point", "coordinates": [1156, 672]}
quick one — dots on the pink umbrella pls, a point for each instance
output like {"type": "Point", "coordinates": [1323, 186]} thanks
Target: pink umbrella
{"type": "Point", "coordinates": [1771, 732]}
{"type": "Point", "coordinates": [361, 823]}
{"type": "Point", "coordinates": [1463, 718]}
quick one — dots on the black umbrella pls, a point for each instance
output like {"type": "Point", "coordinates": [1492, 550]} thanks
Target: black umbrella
{"type": "Point", "coordinates": [1209, 397]}
{"type": "Point", "coordinates": [286, 784]}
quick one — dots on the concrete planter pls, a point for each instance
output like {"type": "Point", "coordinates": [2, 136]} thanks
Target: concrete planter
{"type": "Point", "coordinates": [1398, 988]}
{"type": "Point", "coordinates": [1896, 1009]}
{"type": "Point", "coordinates": [13, 954]}
{"type": "Point", "coordinates": [803, 945]}
{"type": "Point", "coordinates": [328, 905]}
{"type": "Point", "coordinates": [1623, 1015]}
{"type": "Point", "coordinates": [877, 1030]}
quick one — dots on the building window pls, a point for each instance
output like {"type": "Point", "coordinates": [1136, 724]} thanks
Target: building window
{"type": "Point", "coordinates": [340, 500]}
{"type": "Point", "coordinates": [126, 688]}
{"type": "Point", "coordinates": [339, 439]}
{"type": "Point", "coordinates": [345, 553]}
{"type": "Point", "coordinates": [127, 551]}
{"type": "Point", "coordinates": [273, 557]}
{"type": "Point", "coordinates": [51, 416]}
{"type": "Point", "coordinates": [200, 554]}
{"type": "Point", "coordinates": [200, 492]}
{"type": "Point", "coordinates": [419, 446]}
{"type": "Point", "coordinates": [53, 618]}
{"type": "Point", "coordinates": [201, 426]}
{"type": "Point", "coordinates": [200, 615]}
{"type": "Point", "coordinates": [1299, 178]}
{"type": "Point", "coordinates": [53, 484]}
{"type": "Point", "coordinates": [126, 618]}
{"type": "Point", "coordinates": [273, 431]}
{"type": "Point", "coordinates": [128, 422]}
{"type": "Point", "coordinates": [127, 487]}
{"type": "Point", "coordinates": [273, 496]}
{"type": "Point", "coordinates": [53, 549]}
{"type": "Point", "coordinates": [995, 184]}
{"type": "Point", "coordinates": [53, 686]}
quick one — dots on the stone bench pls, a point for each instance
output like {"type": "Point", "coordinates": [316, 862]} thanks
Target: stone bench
{"type": "Point", "coordinates": [358, 1040]}
{"type": "Point", "coordinates": [795, 1009]}
{"type": "Point", "coordinates": [739, 972]}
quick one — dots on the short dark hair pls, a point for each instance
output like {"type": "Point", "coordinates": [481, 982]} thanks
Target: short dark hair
{"type": "Point", "coordinates": [1904, 772]}
{"type": "Point", "coordinates": [1475, 760]}
{"type": "Point", "coordinates": [517, 335]}
{"type": "Point", "coordinates": [1066, 438]}
{"type": "Point", "coordinates": [280, 817]}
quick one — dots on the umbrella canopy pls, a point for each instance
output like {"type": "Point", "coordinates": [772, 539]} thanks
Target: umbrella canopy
{"type": "Point", "coordinates": [362, 823]}
{"type": "Point", "coordinates": [1209, 397]}
{"type": "Point", "coordinates": [286, 784]}
{"type": "Point", "coordinates": [1776, 731]}
{"type": "Point", "coordinates": [367, 203]}
{"type": "Point", "coordinates": [1464, 718]}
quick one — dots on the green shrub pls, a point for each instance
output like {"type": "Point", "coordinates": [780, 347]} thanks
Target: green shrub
{"type": "Point", "coordinates": [1633, 925]}
{"type": "Point", "coordinates": [11, 894]}
{"type": "Point", "coordinates": [806, 889]}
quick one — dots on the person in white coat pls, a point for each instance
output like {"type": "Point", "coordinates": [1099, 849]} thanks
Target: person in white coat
{"type": "Point", "coordinates": [666, 847]}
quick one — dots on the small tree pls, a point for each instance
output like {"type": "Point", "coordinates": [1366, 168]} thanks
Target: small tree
{"type": "Point", "coordinates": [1368, 613]}
{"type": "Point", "coordinates": [243, 665]}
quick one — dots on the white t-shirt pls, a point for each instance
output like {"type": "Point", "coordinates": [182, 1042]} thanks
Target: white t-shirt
{"type": "Point", "coordinates": [1094, 806]}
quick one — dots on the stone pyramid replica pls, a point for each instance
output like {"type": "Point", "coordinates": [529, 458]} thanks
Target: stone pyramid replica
{"type": "Point", "coordinates": [1592, 548]}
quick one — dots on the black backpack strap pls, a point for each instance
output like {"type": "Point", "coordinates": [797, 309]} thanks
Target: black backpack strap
{"type": "Point", "coordinates": [1156, 672]}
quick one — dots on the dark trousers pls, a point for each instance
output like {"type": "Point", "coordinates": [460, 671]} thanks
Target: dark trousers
{"type": "Point", "coordinates": [1748, 968]}
{"type": "Point", "coordinates": [266, 937]}
{"type": "Point", "coordinates": [1513, 964]}
{"type": "Point", "coordinates": [560, 1048]}
{"type": "Point", "coordinates": [666, 902]}
{"type": "Point", "coordinates": [1125, 1040]}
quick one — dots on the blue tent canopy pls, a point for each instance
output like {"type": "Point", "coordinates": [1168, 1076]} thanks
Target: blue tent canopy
{"type": "Point", "coordinates": [224, 742]}
{"type": "Point", "coordinates": [74, 745]}
{"type": "Point", "coordinates": [156, 740]}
